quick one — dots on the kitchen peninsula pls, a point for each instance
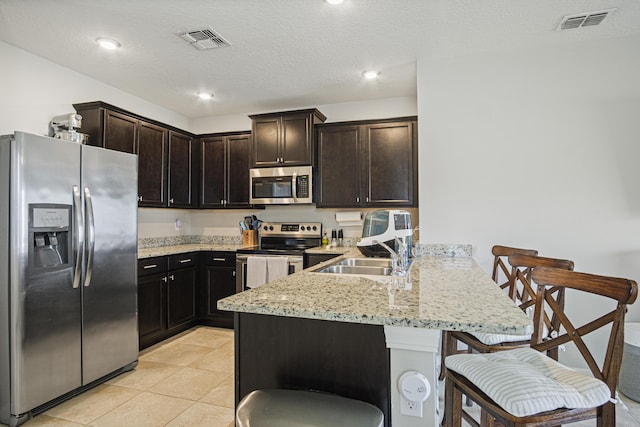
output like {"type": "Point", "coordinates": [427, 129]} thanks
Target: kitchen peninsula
{"type": "Point", "coordinates": [355, 335]}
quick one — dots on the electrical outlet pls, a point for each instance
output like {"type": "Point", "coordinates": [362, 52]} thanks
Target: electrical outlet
{"type": "Point", "coordinates": [409, 407]}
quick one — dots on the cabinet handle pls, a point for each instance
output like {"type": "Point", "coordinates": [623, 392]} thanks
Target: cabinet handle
{"type": "Point", "coordinates": [139, 198]}
{"type": "Point", "coordinates": [164, 279]}
{"type": "Point", "coordinates": [219, 259]}
{"type": "Point", "coordinates": [367, 200]}
{"type": "Point", "coordinates": [222, 202]}
{"type": "Point", "coordinates": [171, 201]}
{"type": "Point", "coordinates": [172, 277]}
{"type": "Point", "coordinates": [233, 273]}
{"type": "Point", "coordinates": [182, 261]}
{"type": "Point", "coordinates": [358, 199]}
{"type": "Point", "coordinates": [150, 266]}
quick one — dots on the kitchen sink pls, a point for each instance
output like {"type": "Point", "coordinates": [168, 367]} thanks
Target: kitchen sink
{"type": "Point", "coordinates": [356, 269]}
{"type": "Point", "coordinates": [366, 262]}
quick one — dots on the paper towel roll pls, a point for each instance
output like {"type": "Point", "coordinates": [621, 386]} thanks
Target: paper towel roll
{"type": "Point", "coordinates": [349, 219]}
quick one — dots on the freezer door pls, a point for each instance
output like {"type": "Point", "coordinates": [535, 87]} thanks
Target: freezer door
{"type": "Point", "coordinates": [45, 308]}
{"type": "Point", "coordinates": [109, 287]}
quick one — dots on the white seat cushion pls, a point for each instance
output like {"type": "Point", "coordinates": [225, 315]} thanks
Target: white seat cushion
{"type": "Point", "coordinates": [493, 339]}
{"type": "Point", "coordinates": [524, 381]}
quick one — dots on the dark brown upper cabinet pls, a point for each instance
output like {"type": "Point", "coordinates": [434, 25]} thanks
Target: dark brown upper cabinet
{"type": "Point", "coordinates": [367, 164]}
{"type": "Point", "coordinates": [180, 165]}
{"type": "Point", "coordinates": [152, 165]}
{"type": "Point", "coordinates": [224, 170]}
{"type": "Point", "coordinates": [285, 138]}
{"type": "Point", "coordinates": [164, 154]}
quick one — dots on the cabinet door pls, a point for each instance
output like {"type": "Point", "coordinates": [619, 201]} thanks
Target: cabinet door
{"type": "Point", "coordinates": [152, 165]}
{"type": "Point", "coordinates": [181, 297]}
{"type": "Point", "coordinates": [213, 172]}
{"type": "Point", "coordinates": [120, 132]}
{"type": "Point", "coordinates": [238, 170]}
{"type": "Point", "coordinates": [295, 144]}
{"type": "Point", "coordinates": [266, 141]}
{"type": "Point", "coordinates": [391, 164]}
{"type": "Point", "coordinates": [338, 183]}
{"type": "Point", "coordinates": [220, 283]}
{"type": "Point", "coordinates": [151, 312]}
{"type": "Point", "coordinates": [180, 170]}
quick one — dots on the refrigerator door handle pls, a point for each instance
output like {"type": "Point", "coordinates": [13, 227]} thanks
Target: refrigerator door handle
{"type": "Point", "coordinates": [79, 246]}
{"type": "Point", "coordinates": [91, 235]}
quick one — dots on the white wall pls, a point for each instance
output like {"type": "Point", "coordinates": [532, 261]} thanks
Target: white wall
{"type": "Point", "coordinates": [536, 149]}
{"type": "Point", "coordinates": [347, 111]}
{"type": "Point", "coordinates": [34, 90]}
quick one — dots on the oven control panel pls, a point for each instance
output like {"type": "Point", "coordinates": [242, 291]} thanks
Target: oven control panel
{"type": "Point", "coordinates": [297, 229]}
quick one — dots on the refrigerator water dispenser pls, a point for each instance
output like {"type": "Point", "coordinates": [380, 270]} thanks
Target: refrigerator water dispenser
{"type": "Point", "coordinates": [49, 234]}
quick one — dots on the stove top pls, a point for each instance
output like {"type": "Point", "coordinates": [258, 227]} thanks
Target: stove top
{"type": "Point", "coordinates": [287, 238]}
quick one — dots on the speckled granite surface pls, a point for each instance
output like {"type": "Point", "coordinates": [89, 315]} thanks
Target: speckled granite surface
{"type": "Point", "coordinates": [451, 293]}
{"type": "Point", "coordinates": [162, 246]}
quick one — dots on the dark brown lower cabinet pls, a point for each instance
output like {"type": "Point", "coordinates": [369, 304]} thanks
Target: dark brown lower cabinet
{"type": "Point", "coordinates": [219, 281]}
{"type": "Point", "coordinates": [166, 296]}
{"type": "Point", "coordinates": [152, 315]}
{"type": "Point", "coordinates": [181, 298]}
{"type": "Point", "coordinates": [310, 260]}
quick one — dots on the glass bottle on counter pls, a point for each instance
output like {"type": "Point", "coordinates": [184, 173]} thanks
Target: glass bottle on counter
{"type": "Point", "coordinates": [325, 239]}
{"type": "Point", "coordinates": [334, 238]}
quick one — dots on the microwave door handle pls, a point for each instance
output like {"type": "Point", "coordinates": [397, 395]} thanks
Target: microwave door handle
{"type": "Point", "coordinates": [294, 186]}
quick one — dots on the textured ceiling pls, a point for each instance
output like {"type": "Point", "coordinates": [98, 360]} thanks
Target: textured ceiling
{"type": "Point", "coordinates": [286, 53]}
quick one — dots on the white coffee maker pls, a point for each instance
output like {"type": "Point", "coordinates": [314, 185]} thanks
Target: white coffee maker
{"type": "Point", "coordinates": [385, 226]}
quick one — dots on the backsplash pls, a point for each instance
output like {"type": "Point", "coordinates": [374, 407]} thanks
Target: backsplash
{"type": "Point", "coordinates": [155, 242]}
{"type": "Point", "coordinates": [449, 250]}
{"type": "Point", "coordinates": [422, 249]}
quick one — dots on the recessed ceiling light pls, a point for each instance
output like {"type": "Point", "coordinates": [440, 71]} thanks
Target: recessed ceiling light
{"type": "Point", "coordinates": [334, 1]}
{"type": "Point", "coordinates": [108, 43]}
{"type": "Point", "coordinates": [370, 74]}
{"type": "Point", "coordinates": [205, 96]}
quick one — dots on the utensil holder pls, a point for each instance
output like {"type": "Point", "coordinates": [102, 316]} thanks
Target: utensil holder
{"type": "Point", "coordinates": [250, 238]}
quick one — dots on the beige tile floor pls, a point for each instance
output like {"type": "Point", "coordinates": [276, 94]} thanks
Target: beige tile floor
{"type": "Point", "coordinates": [184, 381]}
{"type": "Point", "coordinates": [188, 381]}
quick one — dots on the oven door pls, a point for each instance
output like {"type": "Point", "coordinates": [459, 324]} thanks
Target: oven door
{"type": "Point", "coordinates": [281, 186]}
{"type": "Point", "coordinates": [295, 265]}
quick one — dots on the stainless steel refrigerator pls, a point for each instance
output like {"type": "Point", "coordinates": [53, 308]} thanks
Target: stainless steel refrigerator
{"type": "Point", "coordinates": [68, 297]}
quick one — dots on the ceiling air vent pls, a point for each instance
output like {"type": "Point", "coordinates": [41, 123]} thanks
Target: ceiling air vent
{"type": "Point", "coordinates": [586, 19]}
{"type": "Point", "coordinates": [205, 39]}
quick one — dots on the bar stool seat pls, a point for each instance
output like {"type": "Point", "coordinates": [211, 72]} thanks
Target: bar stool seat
{"type": "Point", "coordinates": [294, 408]}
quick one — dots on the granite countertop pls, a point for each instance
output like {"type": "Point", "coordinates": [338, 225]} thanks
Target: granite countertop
{"type": "Point", "coordinates": [194, 247]}
{"type": "Point", "coordinates": [441, 292]}
{"type": "Point", "coordinates": [184, 248]}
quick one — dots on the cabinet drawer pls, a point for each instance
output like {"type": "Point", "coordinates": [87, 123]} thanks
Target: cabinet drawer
{"type": "Point", "coordinates": [220, 259]}
{"type": "Point", "coordinates": [182, 260]}
{"type": "Point", "coordinates": [153, 265]}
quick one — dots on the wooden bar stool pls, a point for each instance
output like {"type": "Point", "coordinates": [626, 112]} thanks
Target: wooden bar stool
{"type": "Point", "coordinates": [522, 292]}
{"type": "Point", "coordinates": [501, 274]}
{"type": "Point", "coordinates": [523, 386]}
{"type": "Point", "coordinates": [295, 408]}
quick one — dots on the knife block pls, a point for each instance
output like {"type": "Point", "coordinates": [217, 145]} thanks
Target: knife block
{"type": "Point", "coordinates": [250, 238]}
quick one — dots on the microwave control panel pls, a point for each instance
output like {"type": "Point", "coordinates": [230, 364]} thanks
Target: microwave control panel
{"type": "Point", "coordinates": [303, 186]}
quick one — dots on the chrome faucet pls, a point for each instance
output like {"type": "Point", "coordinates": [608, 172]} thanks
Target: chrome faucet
{"type": "Point", "coordinates": [400, 259]}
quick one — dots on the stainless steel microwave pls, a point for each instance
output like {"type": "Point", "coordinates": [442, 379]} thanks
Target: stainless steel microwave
{"type": "Point", "coordinates": [281, 186]}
